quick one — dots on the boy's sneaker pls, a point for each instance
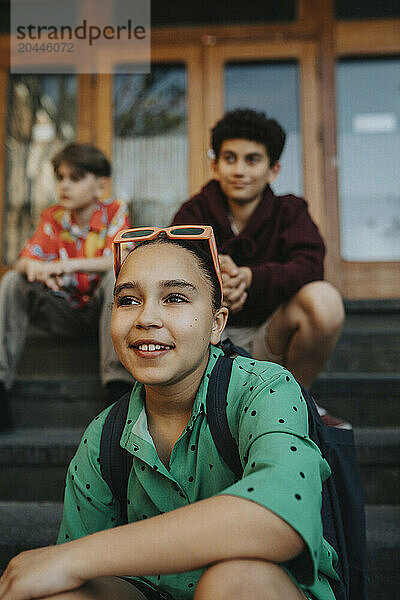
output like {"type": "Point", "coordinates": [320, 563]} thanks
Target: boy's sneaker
{"type": "Point", "coordinates": [5, 412]}
{"type": "Point", "coordinates": [331, 420]}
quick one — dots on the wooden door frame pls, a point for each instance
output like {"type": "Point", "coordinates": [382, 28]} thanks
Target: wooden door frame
{"type": "Point", "coordinates": [186, 53]}
{"type": "Point", "coordinates": [372, 39]}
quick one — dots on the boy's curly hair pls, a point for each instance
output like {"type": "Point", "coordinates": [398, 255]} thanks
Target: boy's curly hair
{"type": "Point", "coordinates": [248, 124]}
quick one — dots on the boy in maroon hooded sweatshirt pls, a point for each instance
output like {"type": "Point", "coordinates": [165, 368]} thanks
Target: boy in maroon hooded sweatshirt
{"type": "Point", "coordinates": [271, 251]}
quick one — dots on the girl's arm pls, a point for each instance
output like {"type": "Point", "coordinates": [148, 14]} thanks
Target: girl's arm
{"type": "Point", "coordinates": [208, 531]}
{"type": "Point", "coordinates": [191, 537]}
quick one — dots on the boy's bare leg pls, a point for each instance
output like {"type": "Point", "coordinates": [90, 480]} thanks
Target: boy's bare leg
{"type": "Point", "coordinates": [104, 588]}
{"type": "Point", "coordinates": [243, 579]}
{"type": "Point", "coordinates": [306, 329]}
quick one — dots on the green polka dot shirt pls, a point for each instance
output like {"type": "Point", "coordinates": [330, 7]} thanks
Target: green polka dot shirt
{"type": "Point", "coordinates": [283, 470]}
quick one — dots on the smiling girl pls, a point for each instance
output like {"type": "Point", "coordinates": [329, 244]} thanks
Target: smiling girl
{"type": "Point", "coordinates": [193, 530]}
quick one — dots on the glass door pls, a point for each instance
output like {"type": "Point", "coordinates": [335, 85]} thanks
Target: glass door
{"type": "Point", "coordinates": [279, 79]}
{"type": "Point", "coordinates": [150, 149]}
{"type": "Point", "coordinates": [41, 117]}
{"type": "Point", "coordinates": [271, 87]}
{"type": "Point", "coordinates": [368, 145]}
{"type": "Point", "coordinates": [368, 111]}
{"type": "Point", "coordinates": [155, 132]}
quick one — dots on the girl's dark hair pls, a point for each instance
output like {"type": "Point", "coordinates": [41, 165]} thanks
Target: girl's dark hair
{"type": "Point", "coordinates": [200, 250]}
{"type": "Point", "coordinates": [247, 124]}
{"type": "Point", "coordinates": [84, 158]}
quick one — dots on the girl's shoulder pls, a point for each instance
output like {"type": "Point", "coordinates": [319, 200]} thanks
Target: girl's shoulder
{"type": "Point", "coordinates": [267, 390]}
{"type": "Point", "coordinates": [257, 372]}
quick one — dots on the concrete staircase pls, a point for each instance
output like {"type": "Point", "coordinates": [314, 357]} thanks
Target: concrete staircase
{"type": "Point", "coordinates": [361, 383]}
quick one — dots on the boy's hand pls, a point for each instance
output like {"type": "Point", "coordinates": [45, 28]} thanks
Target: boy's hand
{"type": "Point", "coordinates": [235, 281]}
{"type": "Point", "coordinates": [50, 273]}
{"type": "Point", "coordinates": [39, 573]}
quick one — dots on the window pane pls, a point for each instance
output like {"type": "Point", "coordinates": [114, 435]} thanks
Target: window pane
{"type": "Point", "coordinates": [369, 158]}
{"type": "Point", "coordinates": [150, 161]}
{"type": "Point", "coordinates": [41, 117]}
{"type": "Point", "coordinates": [367, 9]}
{"type": "Point", "coordinates": [272, 87]}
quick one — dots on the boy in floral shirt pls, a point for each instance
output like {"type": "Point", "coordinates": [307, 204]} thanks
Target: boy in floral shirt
{"type": "Point", "coordinates": [62, 280]}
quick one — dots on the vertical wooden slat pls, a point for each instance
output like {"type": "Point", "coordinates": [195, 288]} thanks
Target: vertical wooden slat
{"type": "Point", "coordinates": [197, 142]}
{"type": "Point", "coordinates": [334, 272]}
{"type": "Point", "coordinates": [3, 134]}
{"type": "Point", "coordinates": [85, 100]}
{"type": "Point", "coordinates": [214, 89]}
{"type": "Point", "coordinates": [310, 128]}
{"type": "Point", "coordinates": [103, 113]}
{"type": "Point", "coordinates": [4, 76]}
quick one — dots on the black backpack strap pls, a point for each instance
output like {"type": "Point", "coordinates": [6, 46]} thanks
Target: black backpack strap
{"type": "Point", "coordinates": [231, 349]}
{"type": "Point", "coordinates": [343, 513]}
{"type": "Point", "coordinates": [216, 414]}
{"type": "Point", "coordinates": [115, 462]}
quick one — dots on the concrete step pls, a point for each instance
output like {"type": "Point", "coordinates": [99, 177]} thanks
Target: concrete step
{"type": "Point", "coordinates": [364, 399]}
{"type": "Point", "coordinates": [33, 463]}
{"type": "Point", "coordinates": [383, 539]}
{"type": "Point", "coordinates": [358, 350]}
{"type": "Point", "coordinates": [378, 452]}
{"type": "Point", "coordinates": [370, 342]}
{"type": "Point", "coordinates": [26, 525]}
{"type": "Point", "coordinates": [46, 354]}
{"type": "Point", "coordinates": [56, 401]}
{"type": "Point", "coordinates": [390, 306]}
{"type": "Point", "coordinates": [366, 351]}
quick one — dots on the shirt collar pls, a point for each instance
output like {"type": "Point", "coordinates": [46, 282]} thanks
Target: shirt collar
{"type": "Point", "coordinates": [199, 405]}
{"type": "Point", "coordinates": [99, 218]}
{"type": "Point", "coordinates": [136, 403]}
{"type": "Point", "coordinates": [218, 206]}
{"type": "Point", "coordinates": [96, 223]}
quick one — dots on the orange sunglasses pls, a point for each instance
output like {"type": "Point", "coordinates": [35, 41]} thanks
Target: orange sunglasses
{"type": "Point", "coordinates": [130, 237]}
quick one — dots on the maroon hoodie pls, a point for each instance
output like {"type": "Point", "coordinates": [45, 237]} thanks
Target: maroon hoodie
{"type": "Point", "coordinates": [280, 243]}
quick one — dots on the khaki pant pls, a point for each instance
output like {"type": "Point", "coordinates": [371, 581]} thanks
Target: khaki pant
{"type": "Point", "coordinates": [22, 302]}
{"type": "Point", "coordinates": [254, 339]}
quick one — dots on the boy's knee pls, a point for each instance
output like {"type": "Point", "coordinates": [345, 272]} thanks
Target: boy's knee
{"type": "Point", "coordinates": [242, 579]}
{"type": "Point", "coordinates": [12, 277]}
{"type": "Point", "coordinates": [322, 306]}
{"type": "Point", "coordinates": [13, 281]}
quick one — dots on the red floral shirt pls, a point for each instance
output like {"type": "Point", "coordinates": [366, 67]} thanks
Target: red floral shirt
{"type": "Point", "coordinates": [58, 237]}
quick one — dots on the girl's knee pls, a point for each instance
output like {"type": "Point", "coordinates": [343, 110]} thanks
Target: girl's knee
{"type": "Point", "coordinates": [243, 579]}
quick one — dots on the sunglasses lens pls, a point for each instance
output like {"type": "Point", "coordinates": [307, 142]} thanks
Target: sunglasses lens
{"type": "Point", "coordinates": [137, 233]}
{"type": "Point", "coordinates": [187, 231]}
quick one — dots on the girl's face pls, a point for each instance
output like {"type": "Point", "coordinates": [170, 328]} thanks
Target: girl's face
{"type": "Point", "coordinates": [163, 320]}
